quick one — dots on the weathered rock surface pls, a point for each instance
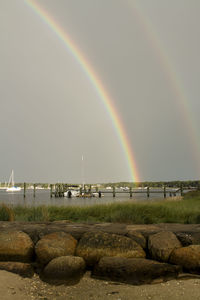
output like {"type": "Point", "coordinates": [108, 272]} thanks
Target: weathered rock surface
{"type": "Point", "coordinates": [188, 239]}
{"type": "Point", "coordinates": [138, 238]}
{"type": "Point", "coordinates": [92, 246]}
{"type": "Point", "coordinates": [15, 246]}
{"type": "Point", "coordinates": [162, 244]}
{"type": "Point", "coordinates": [36, 230]}
{"type": "Point", "coordinates": [64, 269]}
{"type": "Point", "coordinates": [54, 245]}
{"type": "Point", "coordinates": [134, 270]}
{"type": "Point", "coordinates": [187, 257]}
{"type": "Point", "coordinates": [22, 269]}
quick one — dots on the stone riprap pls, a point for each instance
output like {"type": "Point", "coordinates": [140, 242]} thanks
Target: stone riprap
{"type": "Point", "coordinates": [55, 245]}
{"type": "Point", "coordinates": [15, 246]}
{"type": "Point", "coordinates": [162, 244]}
{"type": "Point", "coordinates": [64, 269]}
{"type": "Point", "coordinates": [94, 245]}
{"type": "Point", "coordinates": [134, 270]}
{"type": "Point", "coordinates": [23, 269]}
{"type": "Point", "coordinates": [61, 251]}
{"type": "Point", "coordinates": [187, 257]}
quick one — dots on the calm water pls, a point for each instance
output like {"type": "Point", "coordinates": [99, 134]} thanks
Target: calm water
{"type": "Point", "coordinates": [43, 198]}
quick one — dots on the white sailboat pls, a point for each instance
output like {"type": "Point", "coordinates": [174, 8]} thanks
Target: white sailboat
{"type": "Point", "coordinates": [11, 184]}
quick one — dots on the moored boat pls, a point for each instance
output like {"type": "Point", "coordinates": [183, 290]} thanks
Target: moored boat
{"type": "Point", "coordinates": [11, 184]}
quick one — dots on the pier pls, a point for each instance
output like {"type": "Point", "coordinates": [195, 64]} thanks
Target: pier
{"type": "Point", "coordinates": [57, 190]}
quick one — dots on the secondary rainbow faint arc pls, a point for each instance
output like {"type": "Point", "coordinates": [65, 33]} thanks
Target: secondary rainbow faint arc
{"type": "Point", "coordinates": [65, 38]}
{"type": "Point", "coordinates": [172, 76]}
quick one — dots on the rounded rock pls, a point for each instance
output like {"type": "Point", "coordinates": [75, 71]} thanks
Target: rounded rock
{"type": "Point", "coordinates": [94, 245]}
{"type": "Point", "coordinates": [15, 246]}
{"type": "Point", "coordinates": [134, 270]}
{"type": "Point", "coordinates": [22, 269]}
{"type": "Point", "coordinates": [162, 244]}
{"type": "Point", "coordinates": [187, 257]}
{"type": "Point", "coordinates": [64, 269]}
{"type": "Point", "coordinates": [55, 245]}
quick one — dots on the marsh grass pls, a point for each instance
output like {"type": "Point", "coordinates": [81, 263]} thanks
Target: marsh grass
{"type": "Point", "coordinates": [6, 213]}
{"type": "Point", "coordinates": [186, 210]}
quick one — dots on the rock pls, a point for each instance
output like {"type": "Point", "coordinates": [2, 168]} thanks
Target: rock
{"type": "Point", "coordinates": [15, 246]}
{"type": "Point", "coordinates": [187, 239]}
{"type": "Point", "coordinates": [23, 269]}
{"type": "Point", "coordinates": [64, 269]}
{"type": "Point", "coordinates": [161, 245]}
{"type": "Point", "coordinates": [134, 270]}
{"type": "Point", "coordinates": [187, 257]}
{"type": "Point", "coordinates": [54, 245]}
{"type": "Point", "coordinates": [92, 246]}
{"type": "Point", "coordinates": [138, 238]}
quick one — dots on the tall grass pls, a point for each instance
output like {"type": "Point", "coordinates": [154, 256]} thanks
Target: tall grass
{"type": "Point", "coordinates": [185, 211]}
{"type": "Point", "coordinates": [6, 213]}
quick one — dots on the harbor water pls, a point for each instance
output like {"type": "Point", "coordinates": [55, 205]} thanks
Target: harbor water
{"type": "Point", "coordinates": [43, 198]}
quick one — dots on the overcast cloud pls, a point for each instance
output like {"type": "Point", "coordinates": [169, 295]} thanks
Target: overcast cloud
{"type": "Point", "coordinates": [51, 114]}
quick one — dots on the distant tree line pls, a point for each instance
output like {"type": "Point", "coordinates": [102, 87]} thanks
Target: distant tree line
{"type": "Point", "coordinates": [175, 183]}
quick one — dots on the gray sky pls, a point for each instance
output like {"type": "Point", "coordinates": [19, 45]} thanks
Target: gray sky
{"type": "Point", "coordinates": [146, 54]}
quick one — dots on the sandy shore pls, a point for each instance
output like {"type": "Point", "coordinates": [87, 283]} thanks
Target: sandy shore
{"type": "Point", "coordinates": [14, 287]}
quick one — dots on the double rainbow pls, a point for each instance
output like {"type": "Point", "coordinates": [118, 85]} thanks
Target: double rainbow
{"type": "Point", "coordinates": [172, 77]}
{"type": "Point", "coordinates": [96, 82]}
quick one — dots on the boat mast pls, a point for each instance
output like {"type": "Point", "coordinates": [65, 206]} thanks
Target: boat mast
{"type": "Point", "coordinates": [82, 169]}
{"type": "Point", "coordinates": [11, 179]}
{"type": "Point", "coordinates": [12, 182]}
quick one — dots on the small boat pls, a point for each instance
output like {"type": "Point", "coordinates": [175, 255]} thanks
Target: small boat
{"type": "Point", "coordinates": [72, 193]}
{"type": "Point", "coordinates": [11, 184]}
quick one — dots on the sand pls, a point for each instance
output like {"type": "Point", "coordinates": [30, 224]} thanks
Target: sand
{"type": "Point", "coordinates": [15, 287]}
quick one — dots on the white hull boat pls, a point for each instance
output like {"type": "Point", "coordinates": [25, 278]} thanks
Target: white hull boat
{"type": "Point", "coordinates": [74, 193]}
{"type": "Point", "coordinates": [11, 184]}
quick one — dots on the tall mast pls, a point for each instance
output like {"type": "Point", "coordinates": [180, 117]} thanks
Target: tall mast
{"type": "Point", "coordinates": [12, 179]}
{"type": "Point", "coordinates": [82, 170]}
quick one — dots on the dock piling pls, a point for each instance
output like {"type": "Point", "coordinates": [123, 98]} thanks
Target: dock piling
{"type": "Point", "coordinates": [24, 189]}
{"type": "Point", "coordinates": [164, 191]}
{"type": "Point", "coordinates": [34, 190]}
{"type": "Point", "coordinates": [181, 190]}
{"type": "Point", "coordinates": [51, 190]}
{"type": "Point", "coordinates": [113, 191]}
{"type": "Point", "coordinates": [148, 192]}
{"type": "Point", "coordinates": [131, 194]}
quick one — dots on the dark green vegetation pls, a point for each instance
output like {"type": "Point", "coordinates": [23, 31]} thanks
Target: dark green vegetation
{"type": "Point", "coordinates": [185, 211]}
{"type": "Point", "coordinates": [175, 183]}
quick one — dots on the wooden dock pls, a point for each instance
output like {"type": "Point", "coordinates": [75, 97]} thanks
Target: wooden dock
{"type": "Point", "coordinates": [57, 190]}
{"type": "Point", "coordinates": [88, 193]}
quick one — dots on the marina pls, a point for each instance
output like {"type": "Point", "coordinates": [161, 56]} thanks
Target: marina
{"type": "Point", "coordinates": [38, 197]}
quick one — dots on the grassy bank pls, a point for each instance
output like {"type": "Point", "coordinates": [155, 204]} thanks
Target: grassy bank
{"type": "Point", "coordinates": [185, 211]}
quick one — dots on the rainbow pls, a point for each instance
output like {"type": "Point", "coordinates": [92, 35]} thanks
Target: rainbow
{"type": "Point", "coordinates": [172, 77]}
{"type": "Point", "coordinates": [97, 84]}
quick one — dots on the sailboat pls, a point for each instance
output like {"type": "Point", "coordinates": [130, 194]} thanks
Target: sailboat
{"type": "Point", "coordinates": [11, 184]}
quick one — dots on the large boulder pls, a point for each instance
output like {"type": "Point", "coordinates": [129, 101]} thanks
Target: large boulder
{"type": "Point", "coordinates": [187, 257]}
{"type": "Point", "coordinates": [162, 244]}
{"type": "Point", "coordinates": [22, 269]}
{"type": "Point", "coordinates": [94, 245]}
{"type": "Point", "coordinates": [64, 269]}
{"type": "Point", "coordinates": [15, 246]}
{"type": "Point", "coordinates": [137, 237]}
{"type": "Point", "coordinates": [54, 245]}
{"type": "Point", "coordinates": [134, 270]}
